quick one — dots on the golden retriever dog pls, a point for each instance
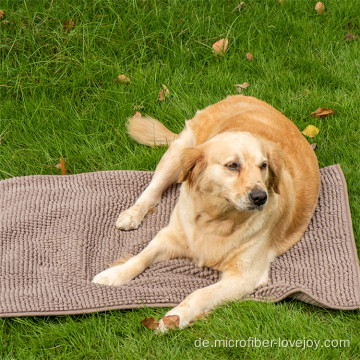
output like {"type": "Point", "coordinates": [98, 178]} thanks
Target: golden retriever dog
{"type": "Point", "coordinates": [250, 183]}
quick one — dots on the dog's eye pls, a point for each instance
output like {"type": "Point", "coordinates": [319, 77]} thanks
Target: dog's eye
{"type": "Point", "coordinates": [263, 166]}
{"type": "Point", "coordinates": [233, 166]}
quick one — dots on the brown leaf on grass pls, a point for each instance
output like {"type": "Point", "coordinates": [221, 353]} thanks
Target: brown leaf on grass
{"type": "Point", "coordinates": [219, 47]}
{"type": "Point", "coordinates": [62, 166]}
{"type": "Point", "coordinates": [239, 6]}
{"type": "Point", "coordinates": [350, 36]}
{"type": "Point", "coordinates": [311, 131]}
{"type": "Point", "coordinates": [68, 25]}
{"type": "Point", "coordinates": [320, 8]}
{"type": "Point", "coordinates": [351, 25]}
{"type": "Point", "coordinates": [249, 56]}
{"type": "Point", "coordinates": [123, 79]}
{"type": "Point", "coordinates": [2, 14]}
{"type": "Point", "coordinates": [138, 107]}
{"type": "Point", "coordinates": [166, 90]}
{"type": "Point", "coordinates": [314, 146]}
{"type": "Point", "coordinates": [2, 136]}
{"type": "Point", "coordinates": [244, 85]}
{"type": "Point", "coordinates": [161, 95]}
{"type": "Point", "coordinates": [150, 323]}
{"type": "Point", "coordinates": [171, 321]}
{"type": "Point", "coordinates": [322, 112]}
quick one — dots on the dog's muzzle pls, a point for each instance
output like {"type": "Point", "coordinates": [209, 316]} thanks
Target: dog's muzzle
{"type": "Point", "coordinates": [258, 197]}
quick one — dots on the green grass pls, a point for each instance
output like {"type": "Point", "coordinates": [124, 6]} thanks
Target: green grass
{"type": "Point", "coordinates": [59, 97]}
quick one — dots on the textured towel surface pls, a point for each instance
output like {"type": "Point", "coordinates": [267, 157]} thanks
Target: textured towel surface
{"type": "Point", "coordinates": [57, 232]}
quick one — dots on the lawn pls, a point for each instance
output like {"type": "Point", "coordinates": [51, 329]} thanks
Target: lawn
{"type": "Point", "coordinates": [60, 97]}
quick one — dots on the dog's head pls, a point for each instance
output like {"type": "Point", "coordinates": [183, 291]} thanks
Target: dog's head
{"type": "Point", "coordinates": [236, 168]}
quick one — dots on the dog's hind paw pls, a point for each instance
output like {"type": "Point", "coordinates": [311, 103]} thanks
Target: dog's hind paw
{"type": "Point", "coordinates": [168, 322]}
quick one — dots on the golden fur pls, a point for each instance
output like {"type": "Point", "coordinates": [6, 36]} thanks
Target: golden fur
{"type": "Point", "coordinates": [250, 186]}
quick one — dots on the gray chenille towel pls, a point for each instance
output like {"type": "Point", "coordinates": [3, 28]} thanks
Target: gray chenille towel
{"type": "Point", "coordinates": [57, 232]}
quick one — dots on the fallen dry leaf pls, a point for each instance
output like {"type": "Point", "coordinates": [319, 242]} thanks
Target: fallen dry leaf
{"type": "Point", "coordinates": [311, 131]}
{"type": "Point", "coordinates": [161, 95]}
{"type": "Point", "coordinates": [322, 112]}
{"type": "Point", "coordinates": [250, 56]}
{"type": "Point", "coordinates": [61, 166]}
{"type": "Point", "coordinates": [137, 114]}
{"type": "Point", "coordinates": [239, 6]}
{"type": "Point", "coordinates": [171, 321]}
{"type": "Point", "coordinates": [351, 25]}
{"type": "Point", "coordinates": [314, 146]}
{"type": "Point", "coordinates": [2, 136]}
{"type": "Point", "coordinates": [123, 79]}
{"type": "Point", "coordinates": [150, 323]}
{"type": "Point", "coordinates": [166, 90]}
{"type": "Point", "coordinates": [220, 46]}
{"type": "Point", "coordinates": [68, 25]}
{"type": "Point", "coordinates": [350, 36]}
{"type": "Point", "coordinates": [244, 85]}
{"type": "Point", "coordinates": [320, 8]}
{"type": "Point", "coordinates": [1, 14]}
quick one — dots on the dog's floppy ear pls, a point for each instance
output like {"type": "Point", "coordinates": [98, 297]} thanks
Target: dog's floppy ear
{"type": "Point", "coordinates": [276, 166]}
{"type": "Point", "coordinates": [193, 162]}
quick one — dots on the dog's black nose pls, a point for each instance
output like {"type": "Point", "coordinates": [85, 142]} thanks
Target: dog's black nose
{"type": "Point", "coordinates": [258, 197]}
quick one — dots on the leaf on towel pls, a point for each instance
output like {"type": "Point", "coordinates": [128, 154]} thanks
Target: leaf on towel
{"type": "Point", "coordinates": [61, 166]}
{"type": "Point", "coordinates": [320, 8]}
{"type": "Point", "coordinates": [161, 95]}
{"type": "Point", "coordinates": [150, 323]}
{"type": "Point", "coordinates": [123, 79]}
{"type": "Point", "coordinates": [249, 56]}
{"type": "Point", "coordinates": [322, 112]}
{"type": "Point", "coordinates": [311, 131]}
{"type": "Point", "coordinates": [244, 85]}
{"type": "Point", "coordinates": [171, 321]}
{"type": "Point", "coordinates": [68, 25]}
{"type": "Point", "coordinates": [314, 146]}
{"type": "Point", "coordinates": [219, 47]}
{"type": "Point", "coordinates": [137, 114]}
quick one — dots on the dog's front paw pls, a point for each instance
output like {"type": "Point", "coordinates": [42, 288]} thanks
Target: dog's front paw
{"type": "Point", "coordinates": [114, 276]}
{"type": "Point", "coordinates": [130, 219]}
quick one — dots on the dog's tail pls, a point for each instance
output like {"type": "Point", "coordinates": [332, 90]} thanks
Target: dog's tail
{"type": "Point", "coordinates": [148, 131]}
